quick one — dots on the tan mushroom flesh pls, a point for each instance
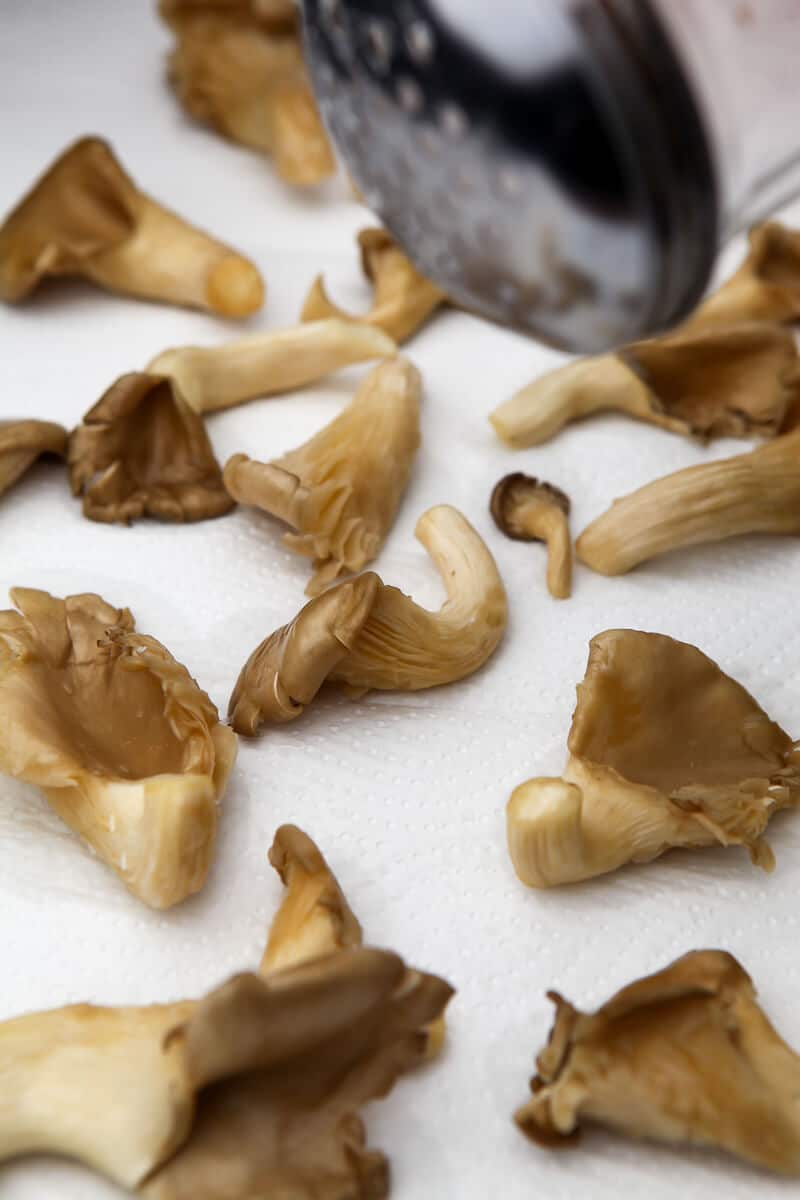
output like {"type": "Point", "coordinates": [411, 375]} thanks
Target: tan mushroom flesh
{"type": "Point", "coordinates": [278, 360]}
{"type": "Point", "coordinates": [117, 735]}
{"type": "Point", "coordinates": [766, 287]}
{"type": "Point", "coordinates": [757, 492]}
{"type": "Point", "coordinates": [255, 1090]}
{"type": "Point", "coordinates": [403, 299]}
{"type": "Point", "coordinates": [143, 451]}
{"type": "Point", "coordinates": [341, 490]}
{"type": "Point", "coordinates": [86, 217]}
{"type": "Point", "coordinates": [685, 1056]}
{"type": "Point", "coordinates": [735, 381]}
{"type": "Point", "coordinates": [529, 510]}
{"type": "Point", "coordinates": [245, 76]}
{"type": "Point", "coordinates": [23, 442]}
{"type": "Point", "coordinates": [665, 751]}
{"type": "Point", "coordinates": [365, 635]}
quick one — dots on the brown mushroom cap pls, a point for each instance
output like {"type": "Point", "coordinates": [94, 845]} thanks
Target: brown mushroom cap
{"type": "Point", "coordinates": [142, 450]}
{"type": "Point", "coordinates": [684, 1056]}
{"type": "Point", "coordinates": [22, 442]}
{"type": "Point", "coordinates": [519, 493]}
{"type": "Point", "coordinates": [660, 712]}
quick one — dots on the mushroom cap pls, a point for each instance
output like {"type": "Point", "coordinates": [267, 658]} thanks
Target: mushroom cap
{"type": "Point", "coordinates": [142, 450]}
{"type": "Point", "coordinates": [517, 493]}
{"type": "Point", "coordinates": [661, 713]}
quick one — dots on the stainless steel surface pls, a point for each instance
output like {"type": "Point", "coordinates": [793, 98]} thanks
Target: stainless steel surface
{"type": "Point", "coordinates": [523, 155]}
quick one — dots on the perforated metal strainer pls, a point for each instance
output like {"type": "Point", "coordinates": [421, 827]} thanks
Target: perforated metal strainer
{"type": "Point", "coordinates": [542, 160]}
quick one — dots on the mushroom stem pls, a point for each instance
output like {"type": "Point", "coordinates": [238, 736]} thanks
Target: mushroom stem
{"type": "Point", "coordinates": [101, 1085]}
{"type": "Point", "coordinates": [566, 830]}
{"type": "Point", "coordinates": [167, 259]}
{"type": "Point", "coordinates": [218, 377]}
{"type": "Point", "coordinates": [537, 412]}
{"type": "Point", "coordinates": [551, 526]}
{"type": "Point", "coordinates": [757, 492]}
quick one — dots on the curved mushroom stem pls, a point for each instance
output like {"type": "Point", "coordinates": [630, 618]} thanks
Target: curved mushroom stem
{"type": "Point", "coordinates": [537, 412]}
{"type": "Point", "coordinates": [167, 259]}
{"type": "Point", "coordinates": [757, 492]}
{"type": "Point", "coordinates": [217, 377]}
{"type": "Point", "coordinates": [550, 524]}
{"type": "Point", "coordinates": [582, 825]}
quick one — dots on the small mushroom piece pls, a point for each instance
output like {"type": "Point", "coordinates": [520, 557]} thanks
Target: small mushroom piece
{"type": "Point", "coordinates": [766, 286]}
{"type": "Point", "coordinates": [665, 751]}
{"type": "Point", "coordinates": [735, 381]}
{"type": "Point", "coordinates": [341, 489]}
{"type": "Point", "coordinates": [314, 918]}
{"type": "Point", "coordinates": [254, 1090]}
{"type": "Point", "coordinates": [685, 1056]}
{"type": "Point", "coordinates": [532, 511]}
{"type": "Point", "coordinates": [365, 635]}
{"type": "Point", "coordinates": [251, 85]}
{"type": "Point", "coordinates": [23, 442]}
{"type": "Point", "coordinates": [403, 299]}
{"type": "Point", "coordinates": [86, 217]}
{"type": "Point", "coordinates": [211, 378]}
{"type": "Point", "coordinates": [141, 450]}
{"type": "Point", "coordinates": [125, 746]}
{"type": "Point", "coordinates": [757, 492]}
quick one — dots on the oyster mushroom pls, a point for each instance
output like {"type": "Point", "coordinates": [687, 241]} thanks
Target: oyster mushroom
{"type": "Point", "coordinates": [253, 1090]}
{"type": "Point", "coordinates": [735, 381]}
{"type": "Point", "coordinates": [341, 490]}
{"type": "Point", "coordinates": [366, 635]}
{"type": "Point", "coordinates": [314, 918]}
{"type": "Point", "coordinates": [86, 217]}
{"type": "Point", "coordinates": [766, 286]}
{"type": "Point", "coordinates": [23, 442]}
{"type": "Point", "coordinates": [665, 750]}
{"type": "Point", "coordinates": [531, 511]}
{"type": "Point", "coordinates": [117, 735]}
{"type": "Point", "coordinates": [217, 377]}
{"type": "Point", "coordinates": [141, 450]}
{"type": "Point", "coordinates": [757, 492]}
{"type": "Point", "coordinates": [246, 77]}
{"type": "Point", "coordinates": [685, 1056]}
{"type": "Point", "coordinates": [403, 299]}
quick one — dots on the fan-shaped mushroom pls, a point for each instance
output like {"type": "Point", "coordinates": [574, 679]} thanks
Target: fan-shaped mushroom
{"type": "Point", "coordinates": [253, 1090]}
{"type": "Point", "coordinates": [532, 511]}
{"type": "Point", "coordinates": [366, 635]}
{"type": "Point", "coordinates": [403, 299]}
{"type": "Point", "coordinates": [142, 450]}
{"type": "Point", "coordinates": [341, 490]}
{"type": "Point", "coordinates": [242, 71]}
{"type": "Point", "coordinates": [685, 1056]}
{"type": "Point", "coordinates": [766, 286]}
{"type": "Point", "coordinates": [665, 750]}
{"type": "Point", "coordinates": [757, 492]}
{"type": "Point", "coordinates": [125, 746]}
{"type": "Point", "coordinates": [86, 217]}
{"type": "Point", "coordinates": [23, 442]}
{"type": "Point", "coordinates": [734, 381]}
{"type": "Point", "coordinates": [216, 377]}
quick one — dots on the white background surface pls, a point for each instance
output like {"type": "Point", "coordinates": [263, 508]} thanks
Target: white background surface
{"type": "Point", "coordinates": [405, 794]}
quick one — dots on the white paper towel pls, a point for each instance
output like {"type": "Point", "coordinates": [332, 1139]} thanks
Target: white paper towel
{"type": "Point", "coordinates": [405, 794]}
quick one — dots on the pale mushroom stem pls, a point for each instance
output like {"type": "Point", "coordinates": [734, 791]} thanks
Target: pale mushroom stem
{"type": "Point", "coordinates": [217, 377]}
{"type": "Point", "coordinates": [169, 260]}
{"type": "Point", "coordinates": [550, 524]}
{"type": "Point", "coordinates": [757, 492]}
{"type": "Point", "coordinates": [537, 412]}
